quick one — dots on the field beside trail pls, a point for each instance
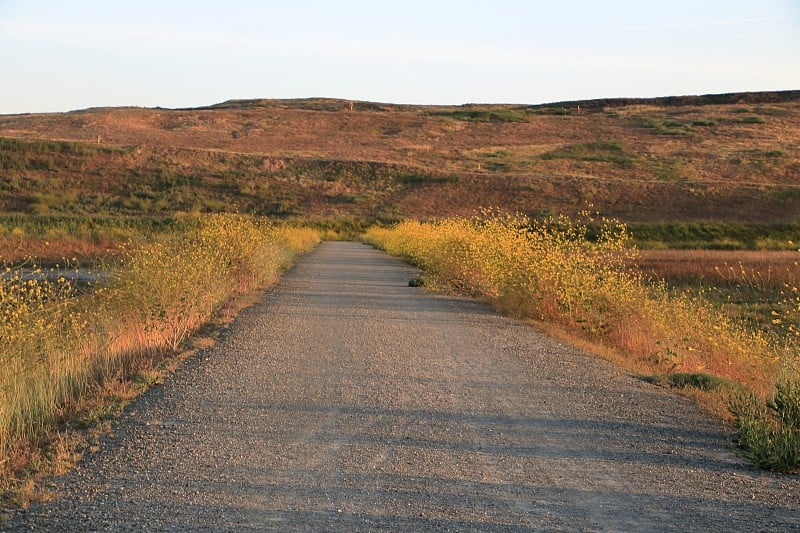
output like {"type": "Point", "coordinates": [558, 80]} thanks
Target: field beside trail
{"type": "Point", "coordinates": [72, 355]}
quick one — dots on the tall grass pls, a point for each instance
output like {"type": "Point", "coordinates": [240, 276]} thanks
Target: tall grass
{"type": "Point", "coordinates": [56, 346]}
{"type": "Point", "coordinates": [770, 431]}
{"type": "Point", "coordinates": [549, 270]}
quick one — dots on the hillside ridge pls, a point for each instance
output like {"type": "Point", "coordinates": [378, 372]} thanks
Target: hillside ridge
{"type": "Point", "coordinates": [731, 158]}
{"type": "Point", "coordinates": [325, 103]}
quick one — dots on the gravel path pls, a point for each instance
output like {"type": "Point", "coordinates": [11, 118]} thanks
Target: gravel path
{"type": "Point", "coordinates": [347, 401]}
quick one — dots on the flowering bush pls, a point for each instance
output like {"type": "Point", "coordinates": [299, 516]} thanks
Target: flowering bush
{"type": "Point", "coordinates": [56, 344]}
{"type": "Point", "coordinates": [552, 271]}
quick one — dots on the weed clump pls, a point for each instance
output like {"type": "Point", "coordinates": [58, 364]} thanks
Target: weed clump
{"type": "Point", "coordinates": [769, 432]}
{"type": "Point", "coordinates": [609, 152]}
{"type": "Point", "coordinates": [485, 115]}
{"type": "Point", "coordinates": [662, 126]}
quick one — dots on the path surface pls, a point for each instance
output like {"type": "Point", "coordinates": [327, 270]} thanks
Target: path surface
{"type": "Point", "coordinates": [348, 401]}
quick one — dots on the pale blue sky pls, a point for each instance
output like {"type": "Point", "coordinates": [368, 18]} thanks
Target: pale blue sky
{"type": "Point", "coordinates": [59, 56]}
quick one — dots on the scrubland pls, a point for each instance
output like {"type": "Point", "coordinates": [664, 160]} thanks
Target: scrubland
{"type": "Point", "coordinates": [63, 347]}
{"type": "Point", "coordinates": [726, 163]}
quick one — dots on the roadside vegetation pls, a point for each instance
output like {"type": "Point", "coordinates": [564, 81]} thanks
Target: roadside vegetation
{"type": "Point", "coordinates": [62, 345]}
{"type": "Point", "coordinates": [558, 272]}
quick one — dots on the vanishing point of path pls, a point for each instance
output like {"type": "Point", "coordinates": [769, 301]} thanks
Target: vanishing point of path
{"type": "Point", "coordinates": [347, 401]}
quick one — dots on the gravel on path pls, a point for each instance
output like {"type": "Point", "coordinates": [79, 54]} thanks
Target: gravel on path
{"type": "Point", "coordinates": [347, 401]}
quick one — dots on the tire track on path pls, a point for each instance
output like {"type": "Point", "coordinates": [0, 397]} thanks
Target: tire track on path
{"type": "Point", "coordinates": [346, 400]}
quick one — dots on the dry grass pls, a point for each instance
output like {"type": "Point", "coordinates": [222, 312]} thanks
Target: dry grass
{"type": "Point", "coordinates": [767, 269]}
{"type": "Point", "coordinates": [64, 353]}
{"type": "Point", "coordinates": [758, 288]}
{"type": "Point", "coordinates": [47, 251]}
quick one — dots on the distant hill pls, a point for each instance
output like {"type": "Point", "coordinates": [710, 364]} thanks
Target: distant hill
{"type": "Point", "coordinates": [744, 98]}
{"type": "Point", "coordinates": [334, 104]}
{"type": "Point", "coordinates": [732, 157]}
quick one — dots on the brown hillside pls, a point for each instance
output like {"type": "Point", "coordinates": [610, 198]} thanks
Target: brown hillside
{"type": "Point", "coordinates": [716, 157]}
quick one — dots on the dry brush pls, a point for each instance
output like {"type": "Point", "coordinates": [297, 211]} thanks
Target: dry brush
{"type": "Point", "coordinates": [550, 271]}
{"type": "Point", "coordinates": [57, 346]}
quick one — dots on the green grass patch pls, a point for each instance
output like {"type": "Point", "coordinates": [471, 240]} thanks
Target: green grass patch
{"type": "Point", "coordinates": [757, 154]}
{"type": "Point", "coordinates": [666, 169]}
{"type": "Point", "coordinates": [485, 115]}
{"type": "Point", "coordinates": [499, 154]}
{"type": "Point", "coordinates": [663, 126]}
{"type": "Point", "coordinates": [603, 151]}
{"type": "Point", "coordinates": [498, 166]}
{"type": "Point", "coordinates": [424, 179]}
{"type": "Point", "coordinates": [769, 432]}
{"type": "Point", "coordinates": [753, 119]}
{"type": "Point", "coordinates": [716, 236]}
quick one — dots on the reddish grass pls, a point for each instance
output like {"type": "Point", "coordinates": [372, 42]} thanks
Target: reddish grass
{"type": "Point", "coordinates": [17, 249]}
{"type": "Point", "coordinates": [719, 169]}
{"type": "Point", "coordinates": [768, 270]}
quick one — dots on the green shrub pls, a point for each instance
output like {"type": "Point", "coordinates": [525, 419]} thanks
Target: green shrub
{"type": "Point", "coordinates": [604, 151]}
{"type": "Point", "coordinates": [754, 119]}
{"type": "Point", "coordinates": [485, 115]}
{"type": "Point", "coordinates": [769, 432]}
{"type": "Point", "coordinates": [662, 126]}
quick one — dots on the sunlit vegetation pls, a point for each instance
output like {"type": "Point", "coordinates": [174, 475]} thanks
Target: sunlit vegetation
{"type": "Point", "coordinates": [60, 344]}
{"type": "Point", "coordinates": [723, 166]}
{"type": "Point", "coordinates": [760, 288]}
{"type": "Point", "coordinates": [552, 271]}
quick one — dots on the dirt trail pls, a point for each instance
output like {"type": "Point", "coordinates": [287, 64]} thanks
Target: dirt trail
{"type": "Point", "coordinates": [348, 401]}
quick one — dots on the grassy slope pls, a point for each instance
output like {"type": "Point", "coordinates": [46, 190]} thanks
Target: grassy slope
{"type": "Point", "coordinates": [637, 160]}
